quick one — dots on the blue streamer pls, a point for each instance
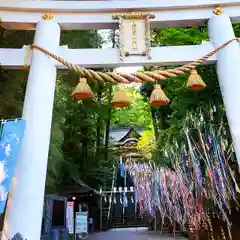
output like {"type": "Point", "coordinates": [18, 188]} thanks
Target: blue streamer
{"type": "Point", "coordinates": [122, 169]}
{"type": "Point", "coordinates": [124, 198]}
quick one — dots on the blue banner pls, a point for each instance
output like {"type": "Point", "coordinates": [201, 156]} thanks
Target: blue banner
{"type": "Point", "coordinates": [122, 169]}
{"type": "Point", "coordinates": [10, 144]}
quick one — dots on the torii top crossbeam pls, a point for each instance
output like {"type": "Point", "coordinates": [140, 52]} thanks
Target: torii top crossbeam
{"type": "Point", "coordinates": [98, 14]}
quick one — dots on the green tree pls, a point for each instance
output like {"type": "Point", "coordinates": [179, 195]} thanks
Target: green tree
{"type": "Point", "coordinates": [13, 83]}
{"type": "Point", "coordinates": [147, 144]}
{"type": "Point", "coordinates": [84, 126]}
{"type": "Point", "coordinates": [81, 159]}
{"type": "Point", "coordinates": [137, 114]}
{"type": "Point", "coordinates": [171, 118]}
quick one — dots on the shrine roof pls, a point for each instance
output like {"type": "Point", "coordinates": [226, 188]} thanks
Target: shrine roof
{"type": "Point", "coordinates": [118, 134]}
{"type": "Point", "coordinates": [79, 188]}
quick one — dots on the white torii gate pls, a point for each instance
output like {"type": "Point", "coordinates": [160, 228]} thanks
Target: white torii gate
{"type": "Point", "coordinates": [24, 209]}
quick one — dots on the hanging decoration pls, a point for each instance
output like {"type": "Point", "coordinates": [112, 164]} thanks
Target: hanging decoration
{"type": "Point", "coordinates": [158, 97]}
{"type": "Point", "coordinates": [121, 168]}
{"type": "Point", "coordinates": [82, 90]}
{"type": "Point", "coordinates": [121, 98]}
{"type": "Point", "coordinates": [124, 199]}
{"type": "Point", "coordinates": [201, 181]}
{"type": "Point", "coordinates": [195, 81]}
{"type": "Point", "coordinates": [124, 195]}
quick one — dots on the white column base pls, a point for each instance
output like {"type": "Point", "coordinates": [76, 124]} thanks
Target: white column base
{"type": "Point", "coordinates": [228, 70]}
{"type": "Point", "coordinates": [25, 203]}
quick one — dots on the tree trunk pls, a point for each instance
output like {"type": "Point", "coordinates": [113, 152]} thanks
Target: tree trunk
{"type": "Point", "coordinates": [84, 147]}
{"type": "Point", "coordinates": [98, 134]}
{"type": "Point", "coordinates": [161, 120]}
{"type": "Point", "coordinates": [154, 122]}
{"type": "Point", "coordinates": [108, 122]}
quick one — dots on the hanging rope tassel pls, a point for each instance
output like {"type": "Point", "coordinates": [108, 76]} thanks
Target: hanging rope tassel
{"type": "Point", "coordinates": [121, 99]}
{"type": "Point", "coordinates": [158, 97]}
{"type": "Point", "coordinates": [82, 90]}
{"type": "Point", "coordinates": [195, 81]}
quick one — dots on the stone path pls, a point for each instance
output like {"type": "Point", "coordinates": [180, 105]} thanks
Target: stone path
{"type": "Point", "coordinates": [132, 235]}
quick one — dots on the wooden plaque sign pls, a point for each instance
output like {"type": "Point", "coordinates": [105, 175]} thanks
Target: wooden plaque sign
{"type": "Point", "coordinates": [134, 34]}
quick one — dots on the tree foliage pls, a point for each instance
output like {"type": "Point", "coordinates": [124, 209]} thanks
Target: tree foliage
{"type": "Point", "coordinates": [82, 125]}
{"type": "Point", "coordinates": [136, 115]}
{"type": "Point", "coordinates": [147, 144]}
{"type": "Point", "coordinates": [72, 153]}
{"type": "Point", "coordinates": [179, 36]}
{"type": "Point", "coordinates": [171, 118]}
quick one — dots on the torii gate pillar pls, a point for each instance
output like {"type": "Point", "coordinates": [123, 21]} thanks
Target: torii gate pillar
{"type": "Point", "coordinates": [228, 70]}
{"type": "Point", "coordinates": [25, 203]}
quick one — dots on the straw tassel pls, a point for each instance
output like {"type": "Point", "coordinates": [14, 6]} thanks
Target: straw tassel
{"type": "Point", "coordinates": [121, 99]}
{"type": "Point", "coordinates": [158, 97]}
{"type": "Point", "coordinates": [195, 81]}
{"type": "Point", "coordinates": [82, 90]}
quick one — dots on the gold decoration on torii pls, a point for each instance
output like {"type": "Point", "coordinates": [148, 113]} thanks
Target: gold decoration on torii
{"type": "Point", "coordinates": [133, 16]}
{"type": "Point", "coordinates": [47, 16]}
{"type": "Point", "coordinates": [218, 11]}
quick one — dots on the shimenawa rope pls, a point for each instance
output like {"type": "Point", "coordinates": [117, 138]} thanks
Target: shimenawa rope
{"type": "Point", "coordinates": [147, 76]}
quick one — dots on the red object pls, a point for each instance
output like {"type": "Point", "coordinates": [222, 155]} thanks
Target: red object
{"type": "Point", "coordinates": [159, 102]}
{"type": "Point", "coordinates": [196, 87]}
{"type": "Point", "coordinates": [81, 96]}
{"type": "Point", "coordinates": [120, 104]}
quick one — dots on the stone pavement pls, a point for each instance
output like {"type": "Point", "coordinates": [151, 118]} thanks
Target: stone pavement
{"type": "Point", "coordinates": [132, 235]}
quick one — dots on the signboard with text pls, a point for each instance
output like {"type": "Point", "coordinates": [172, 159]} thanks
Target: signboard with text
{"type": "Point", "coordinates": [81, 224]}
{"type": "Point", "coordinates": [134, 34]}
